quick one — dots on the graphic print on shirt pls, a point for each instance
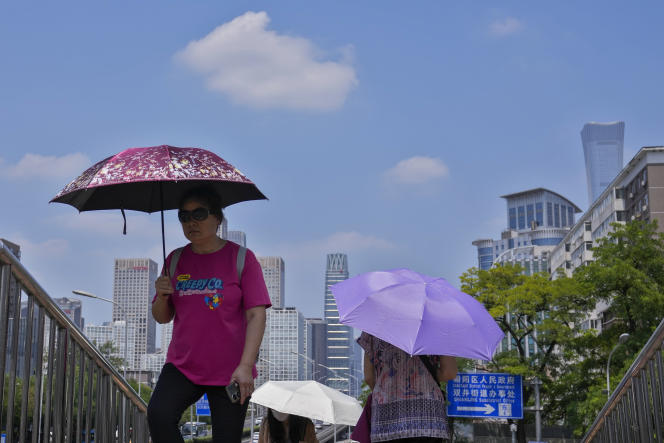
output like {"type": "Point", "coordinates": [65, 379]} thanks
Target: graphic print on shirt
{"type": "Point", "coordinates": [209, 288]}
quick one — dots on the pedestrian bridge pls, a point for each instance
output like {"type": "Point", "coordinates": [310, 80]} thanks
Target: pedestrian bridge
{"type": "Point", "coordinates": [58, 386]}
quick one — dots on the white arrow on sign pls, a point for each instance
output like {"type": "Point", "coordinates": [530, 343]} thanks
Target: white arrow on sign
{"type": "Point", "coordinates": [487, 409]}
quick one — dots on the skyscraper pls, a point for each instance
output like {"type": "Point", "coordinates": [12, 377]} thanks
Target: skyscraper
{"type": "Point", "coordinates": [274, 275]}
{"type": "Point", "coordinates": [339, 336]}
{"type": "Point", "coordinates": [286, 344]}
{"type": "Point", "coordinates": [72, 308]}
{"type": "Point", "coordinates": [133, 289]}
{"type": "Point", "coordinates": [166, 336]}
{"type": "Point", "coordinates": [603, 151]}
{"type": "Point", "coordinates": [316, 349]}
{"type": "Point", "coordinates": [238, 237]}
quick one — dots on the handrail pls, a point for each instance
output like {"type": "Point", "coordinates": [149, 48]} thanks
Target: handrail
{"type": "Point", "coordinates": [638, 400]}
{"type": "Point", "coordinates": [118, 406]}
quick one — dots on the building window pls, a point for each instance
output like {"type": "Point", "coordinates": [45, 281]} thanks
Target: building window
{"type": "Point", "coordinates": [567, 247]}
{"type": "Point", "coordinates": [549, 214]}
{"type": "Point", "coordinates": [512, 218]}
{"type": "Point", "coordinates": [563, 216]}
{"type": "Point", "coordinates": [588, 226]}
{"type": "Point", "coordinates": [530, 215]}
{"type": "Point", "coordinates": [522, 217]}
{"type": "Point", "coordinates": [589, 246]}
{"type": "Point", "coordinates": [570, 215]}
{"type": "Point", "coordinates": [621, 216]}
{"type": "Point", "coordinates": [539, 214]}
{"type": "Point", "coordinates": [556, 215]}
{"type": "Point", "coordinates": [620, 192]}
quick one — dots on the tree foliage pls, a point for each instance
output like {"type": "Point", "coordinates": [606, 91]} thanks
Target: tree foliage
{"type": "Point", "coordinates": [627, 274]}
{"type": "Point", "coordinates": [531, 309]}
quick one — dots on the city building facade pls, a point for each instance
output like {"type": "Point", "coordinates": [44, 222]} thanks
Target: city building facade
{"type": "Point", "coordinates": [316, 349]}
{"type": "Point", "coordinates": [133, 290]}
{"type": "Point", "coordinates": [114, 332]}
{"type": "Point", "coordinates": [73, 309]}
{"type": "Point", "coordinates": [274, 270]}
{"type": "Point", "coordinates": [339, 337]}
{"type": "Point", "coordinates": [238, 237]}
{"type": "Point", "coordinates": [537, 220]}
{"type": "Point", "coordinates": [286, 353]}
{"type": "Point", "coordinates": [603, 153]}
{"type": "Point", "coordinates": [636, 193]}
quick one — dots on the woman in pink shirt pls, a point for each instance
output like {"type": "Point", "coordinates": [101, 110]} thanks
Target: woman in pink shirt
{"type": "Point", "coordinates": [217, 302]}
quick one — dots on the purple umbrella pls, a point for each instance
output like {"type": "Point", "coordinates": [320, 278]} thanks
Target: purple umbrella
{"type": "Point", "coordinates": [153, 179]}
{"type": "Point", "coordinates": [417, 313]}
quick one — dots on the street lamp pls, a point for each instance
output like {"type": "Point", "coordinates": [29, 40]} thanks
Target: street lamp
{"type": "Point", "coordinates": [622, 339]}
{"type": "Point", "coordinates": [126, 361]}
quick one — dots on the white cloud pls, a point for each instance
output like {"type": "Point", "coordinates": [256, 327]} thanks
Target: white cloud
{"type": "Point", "coordinates": [259, 68]}
{"type": "Point", "coordinates": [505, 27]}
{"type": "Point", "coordinates": [417, 170]}
{"type": "Point", "coordinates": [45, 167]}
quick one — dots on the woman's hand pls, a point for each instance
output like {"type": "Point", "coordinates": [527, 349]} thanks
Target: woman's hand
{"type": "Point", "coordinates": [163, 286]}
{"type": "Point", "coordinates": [244, 377]}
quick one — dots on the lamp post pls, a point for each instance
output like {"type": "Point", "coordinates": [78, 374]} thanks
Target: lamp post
{"type": "Point", "coordinates": [622, 339]}
{"type": "Point", "coordinates": [126, 361]}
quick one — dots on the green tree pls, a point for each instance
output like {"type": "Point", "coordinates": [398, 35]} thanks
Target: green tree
{"type": "Point", "coordinates": [531, 308]}
{"type": "Point", "coordinates": [146, 390]}
{"type": "Point", "coordinates": [108, 350]}
{"type": "Point", "coordinates": [628, 275]}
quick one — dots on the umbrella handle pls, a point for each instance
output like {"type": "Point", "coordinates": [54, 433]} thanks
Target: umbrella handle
{"type": "Point", "coordinates": [163, 237]}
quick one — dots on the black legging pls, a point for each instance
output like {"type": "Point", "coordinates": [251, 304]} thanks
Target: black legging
{"type": "Point", "coordinates": [174, 393]}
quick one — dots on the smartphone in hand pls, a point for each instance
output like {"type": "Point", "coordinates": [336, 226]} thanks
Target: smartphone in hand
{"type": "Point", "coordinates": [233, 392]}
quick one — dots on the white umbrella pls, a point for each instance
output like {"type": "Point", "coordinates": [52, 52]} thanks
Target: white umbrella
{"type": "Point", "coordinates": [309, 399]}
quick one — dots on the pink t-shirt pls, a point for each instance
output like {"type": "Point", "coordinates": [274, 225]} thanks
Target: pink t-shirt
{"type": "Point", "coordinates": [209, 326]}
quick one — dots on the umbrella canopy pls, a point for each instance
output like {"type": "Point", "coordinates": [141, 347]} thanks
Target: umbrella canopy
{"type": "Point", "coordinates": [154, 178]}
{"type": "Point", "coordinates": [417, 313]}
{"type": "Point", "coordinates": [309, 399]}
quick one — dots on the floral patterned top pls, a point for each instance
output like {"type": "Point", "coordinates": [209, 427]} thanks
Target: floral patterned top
{"type": "Point", "coordinates": [406, 401]}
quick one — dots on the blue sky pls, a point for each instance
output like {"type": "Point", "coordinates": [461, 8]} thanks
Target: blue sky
{"type": "Point", "coordinates": [381, 129]}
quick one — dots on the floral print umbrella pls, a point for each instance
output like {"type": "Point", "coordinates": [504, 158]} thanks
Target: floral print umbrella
{"type": "Point", "coordinates": [153, 179]}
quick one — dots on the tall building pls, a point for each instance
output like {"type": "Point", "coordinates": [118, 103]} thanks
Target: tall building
{"type": "Point", "coordinates": [603, 152]}
{"type": "Point", "coordinates": [537, 220]}
{"type": "Point", "coordinates": [274, 275]}
{"type": "Point", "coordinates": [286, 344]}
{"type": "Point", "coordinates": [72, 308]}
{"type": "Point", "coordinates": [166, 336]}
{"type": "Point", "coordinates": [223, 229]}
{"type": "Point", "coordinates": [238, 237]}
{"type": "Point", "coordinates": [316, 349]}
{"type": "Point", "coordinates": [339, 337]}
{"type": "Point", "coordinates": [133, 289]}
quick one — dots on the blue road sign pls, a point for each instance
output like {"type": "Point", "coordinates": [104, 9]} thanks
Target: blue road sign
{"type": "Point", "coordinates": [491, 395]}
{"type": "Point", "coordinates": [202, 406]}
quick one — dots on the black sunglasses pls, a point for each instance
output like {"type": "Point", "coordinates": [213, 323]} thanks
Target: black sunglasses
{"type": "Point", "coordinates": [198, 214]}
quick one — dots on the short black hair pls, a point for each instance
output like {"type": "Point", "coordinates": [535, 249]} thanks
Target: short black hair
{"type": "Point", "coordinates": [208, 196]}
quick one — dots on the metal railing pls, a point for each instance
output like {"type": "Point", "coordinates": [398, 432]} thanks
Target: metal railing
{"type": "Point", "coordinates": [55, 386]}
{"type": "Point", "coordinates": [635, 410]}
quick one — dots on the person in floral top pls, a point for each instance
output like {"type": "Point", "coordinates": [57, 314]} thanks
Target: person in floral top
{"type": "Point", "coordinates": [407, 403]}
